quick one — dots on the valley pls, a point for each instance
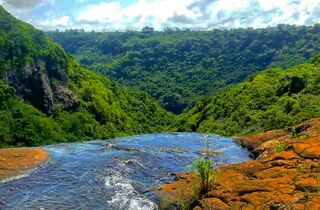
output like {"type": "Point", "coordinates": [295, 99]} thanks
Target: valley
{"type": "Point", "coordinates": [172, 119]}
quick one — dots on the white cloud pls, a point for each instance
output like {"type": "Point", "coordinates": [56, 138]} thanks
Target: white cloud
{"type": "Point", "coordinates": [59, 22]}
{"type": "Point", "coordinates": [160, 14]}
{"type": "Point", "coordinates": [101, 13]}
{"type": "Point", "coordinates": [138, 14]}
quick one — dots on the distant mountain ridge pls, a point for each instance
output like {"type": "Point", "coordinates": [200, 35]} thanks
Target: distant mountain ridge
{"type": "Point", "coordinates": [180, 67]}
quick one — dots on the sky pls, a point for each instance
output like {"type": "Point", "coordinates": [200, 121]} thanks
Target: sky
{"type": "Point", "coordinates": [122, 15]}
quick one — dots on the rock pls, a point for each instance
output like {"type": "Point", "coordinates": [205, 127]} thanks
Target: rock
{"type": "Point", "coordinates": [66, 98]}
{"type": "Point", "coordinates": [248, 168]}
{"type": "Point", "coordinates": [43, 86]}
{"type": "Point", "coordinates": [309, 183]}
{"type": "Point", "coordinates": [276, 172]}
{"type": "Point", "coordinates": [213, 203]}
{"type": "Point", "coordinates": [209, 151]}
{"type": "Point", "coordinates": [287, 179]}
{"type": "Point", "coordinates": [257, 198]}
{"type": "Point", "coordinates": [14, 161]}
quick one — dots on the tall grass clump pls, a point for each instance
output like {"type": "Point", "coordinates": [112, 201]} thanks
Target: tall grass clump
{"type": "Point", "coordinates": [202, 168]}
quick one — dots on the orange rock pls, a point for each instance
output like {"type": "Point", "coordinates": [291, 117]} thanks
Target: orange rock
{"type": "Point", "coordinates": [275, 172]}
{"type": "Point", "coordinates": [257, 198]}
{"type": "Point", "coordinates": [15, 161]}
{"type": "Point", "coordinates": [213, 203]}
{"type": "Point", "coordinates": [309, 184]}
{"type": "Point", "coordinates": [248, 168]}
{"type": "Point", "coordinates": [274, 180]}
{"type": "Point", "coordinates": [285, 155]}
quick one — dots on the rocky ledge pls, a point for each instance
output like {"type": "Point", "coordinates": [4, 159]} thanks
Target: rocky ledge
{"type": "Point", "coordinates": [15, 161]}
{"type": "Point", "coordinates": [285, 174]}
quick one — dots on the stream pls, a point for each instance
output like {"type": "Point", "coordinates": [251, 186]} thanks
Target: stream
{"type": "Point", "coordinates": [117, 174]}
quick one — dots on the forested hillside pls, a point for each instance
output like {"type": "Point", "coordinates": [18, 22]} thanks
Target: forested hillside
{"type": "Point", "coordinates": [179, 67]}
{"type": "Point", "coordinates": [46, 97]}
{"type": "Point", "coordinates": [272, 99]}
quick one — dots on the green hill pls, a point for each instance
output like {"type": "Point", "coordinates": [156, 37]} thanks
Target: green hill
{"type": "Point", "coordinates": [272, 99]}
{"type": "Point", "coordinates": [46, 97]}
{"type": "Point", "coordinates": [180, 67]}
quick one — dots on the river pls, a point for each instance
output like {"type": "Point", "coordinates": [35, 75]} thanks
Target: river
{"type": "Point", "coordinates": [117, 174]}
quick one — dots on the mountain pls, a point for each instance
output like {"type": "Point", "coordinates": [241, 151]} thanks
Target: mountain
{"type": "Point", "coordinates": [46, 97]}
{"type": "Point", "coordinates": [180, 67]}
{"type": "Point", "coordinates": [272, 99]}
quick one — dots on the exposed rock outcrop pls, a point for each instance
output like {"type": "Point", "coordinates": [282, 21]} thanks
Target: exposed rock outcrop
{"type": "Point", "coordinates": [285, 174]}
{"type": "Point", "coordinates": [43, 87]}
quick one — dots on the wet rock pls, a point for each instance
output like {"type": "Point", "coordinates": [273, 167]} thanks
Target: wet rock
{"type": "Point", "coordinates": [209, 151]}
{"type": "Point", "coordinates": [14, 161]}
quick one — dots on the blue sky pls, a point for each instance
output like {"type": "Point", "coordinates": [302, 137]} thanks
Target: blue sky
{"type": "Point", "coordinates": [125, 15]}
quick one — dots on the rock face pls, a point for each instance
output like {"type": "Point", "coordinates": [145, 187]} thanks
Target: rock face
{"type": "Point", "coordinates": [281, 177]}
{"type": "Point", "coordinates": [15, 161]}
{"type": "Point", "coordinates": [43, 87]}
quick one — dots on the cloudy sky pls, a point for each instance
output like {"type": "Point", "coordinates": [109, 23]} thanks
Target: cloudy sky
{"type": "Point", "coordinates": [122, 15]}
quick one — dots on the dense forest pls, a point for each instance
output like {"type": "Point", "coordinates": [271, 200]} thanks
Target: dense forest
{"type": "Point", "coordinates": [272, 99]}
{"type": "Point", "coordinates": [46, 97]}
{"type": "Point", "coordinates": [178, 67]}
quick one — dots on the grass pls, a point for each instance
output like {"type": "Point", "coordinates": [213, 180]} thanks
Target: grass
{"type": "Point", "coordinates": [280, 147]}
{"type": "Point", "coordinates": [300, 167]}
{"type": "Point", "coordinates": [308, 195]}
{"type": "Point", "coordinates": [202, 168]}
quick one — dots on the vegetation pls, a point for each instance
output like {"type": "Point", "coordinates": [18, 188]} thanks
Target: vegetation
{"type": "Point", "coordinates": [202, 168]}
{"type": "Point", "coordinates": [308, 194]}
{"type": "Point", "coordinates": [180, 67]}
{"type": "Point", "coordinates": [105, 110]}
{"type": "Point", "coordinates": [279, 147]}
{"type": "Point", "coordinates": [272, 99]}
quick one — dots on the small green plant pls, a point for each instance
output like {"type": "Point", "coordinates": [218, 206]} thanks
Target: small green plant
{"type": "Point", "coordinates": [182, 205]}
{"type": "Point", "coordinates": [202, 168]}
{"type": "Point", "coordinates": [294, 133]}
{"type": "Point", "coordinates": [304, 136]}
{"type": "Point", "coordinates": [280, 147]}
{"type": "Point", "coordinates": [318, 184]}
{"type": "Point", "coordinates": [300, 167]}
{"type": "Point", "coordinates": [308, 194]}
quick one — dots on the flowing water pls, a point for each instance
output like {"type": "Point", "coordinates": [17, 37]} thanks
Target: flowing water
{"type": "Point", "coordinates": [114, 174]}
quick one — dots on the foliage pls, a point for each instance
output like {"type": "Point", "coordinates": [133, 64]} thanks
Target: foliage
{"type": "Point", "coordinates": [308, 194]}
{"type": "Point", "coordinates": [180, 67]}
{"type": "Point", "coordinates": [272, 99]}
{"type": "Point", "coordinates": [300, 167]}
{"type": "Point", "coordinates": [279, 147]}
{"type": "Point", "coordinates": [202, 168]}
{"type": "Point", "coordinates": [106, 110]}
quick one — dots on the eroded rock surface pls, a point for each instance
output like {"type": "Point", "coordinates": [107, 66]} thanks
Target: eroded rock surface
{"type": "Point", "coordinates": [284, 175]}
{"type": "Point", "coordinates": [15, 161]}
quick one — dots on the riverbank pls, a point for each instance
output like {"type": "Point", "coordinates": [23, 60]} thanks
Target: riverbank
{"type": "Point", "coordinates": [16, 161]}
{"type": "Point", "coordinates": [285, 174]}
